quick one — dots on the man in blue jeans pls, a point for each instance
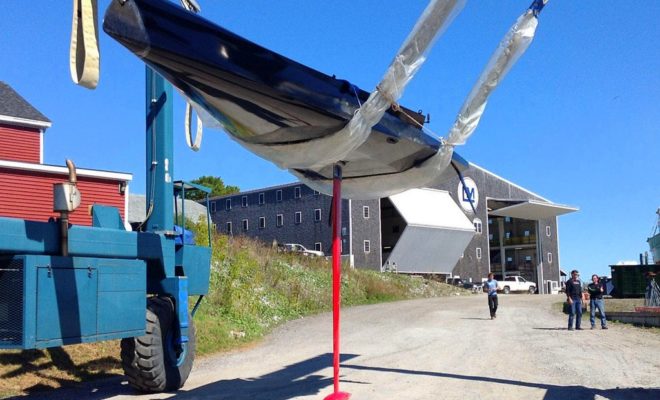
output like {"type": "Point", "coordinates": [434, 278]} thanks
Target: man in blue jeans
{"type": "Point", "coordinates": [574, 299]}
{"type": "Point", "coordinates": [596, 290]}
{"type": "Point", "coordinates": [490, 286]}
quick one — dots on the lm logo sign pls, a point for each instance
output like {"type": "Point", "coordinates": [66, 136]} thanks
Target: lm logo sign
{"type": "Point", "coordinates": [468, 194]}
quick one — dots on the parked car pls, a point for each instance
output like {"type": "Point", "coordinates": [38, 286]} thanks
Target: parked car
{"type": "Point", "coordinates": [515, 284]}
{"type": "Point", "coordinates": [299, 248]}
{"type": "Point", "coordinates": [475, 287]}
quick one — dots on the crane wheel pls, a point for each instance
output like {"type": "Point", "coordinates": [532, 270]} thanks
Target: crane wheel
{"type": "Point", "coordinates": [155, 362]}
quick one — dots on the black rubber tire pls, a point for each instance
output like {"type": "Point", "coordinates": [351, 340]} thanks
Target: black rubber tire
{"type": "Point", "coordinates": [506, 290]}
{"type": "Point", "coordinates": [532, 289]}
{"type": "Point", "coordinates": [150, 361]}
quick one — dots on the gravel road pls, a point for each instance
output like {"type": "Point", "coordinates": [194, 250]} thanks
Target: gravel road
{"type": "Point", "coordinates": [445, 348]}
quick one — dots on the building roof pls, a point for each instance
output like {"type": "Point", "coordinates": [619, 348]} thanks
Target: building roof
{"type": "Point", "coordinates": [137, 208]}
{"type": "Point", "coordinates": [15, 109]}
{"type": "Point", "coordinates": [56, 169]}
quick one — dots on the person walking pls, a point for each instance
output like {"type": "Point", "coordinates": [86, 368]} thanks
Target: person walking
{"type": "Point", "coordinates": [574, 299]}
{"type": "Point", "coordinates": [491, 288]}
{"type": "Point", "coordinates": [596, 290]}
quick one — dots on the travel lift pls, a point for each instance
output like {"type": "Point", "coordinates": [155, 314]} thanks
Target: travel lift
{"type": "Point", "coordinates": [92, 281]}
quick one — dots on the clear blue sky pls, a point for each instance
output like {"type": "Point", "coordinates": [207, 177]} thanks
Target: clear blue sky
{"type": "Point", "coordinates": [577, 120]}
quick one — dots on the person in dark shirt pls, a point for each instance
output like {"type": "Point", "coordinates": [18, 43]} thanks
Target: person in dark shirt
{"type": "Point", "coordinates": [596, 290]}
{"type": "Point", "coordinates": [574, 299]}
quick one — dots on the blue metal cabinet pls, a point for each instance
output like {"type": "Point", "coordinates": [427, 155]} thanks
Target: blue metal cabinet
{"type": "Point", "coordinates": [50, 301]}
{"type": "Point", "coordinates": [66, 303]}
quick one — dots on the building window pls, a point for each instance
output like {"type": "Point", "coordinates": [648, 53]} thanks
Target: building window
{"type": "Point", "coordinates": [547, 231]}
{"type": "Point", "coordinates": [490, 221]}
{"type": "Point", "coordinates": [507, 219]}
{"type": "Point", "coordinates": [478, 227]}
{"type": "Point", "coordinates": [316, 193]}
{"type": "Point", "coordinates": [343, 231]}
{"type": "Point", "coordinates": [507, 235]}
{"type": "Point", "coordinates": [262, 198]}
{"type": "Point", "coordinates": [228, 204]}
{"type": "Point", "coordinates": [528, 258]}
{"type": "Point", "coordinates": [317, 246]}
{"type": "Point", "coordinates": [296, 192]}
{"type": "Point", "coordinates": [244, 202]}
{"type": "Point", "coordinates": [526, 233]}
{"type": "Point", "coordinates": [549, 258]}
{"type": "Point", "coordinates": [280, 219]}
{"type": "Point", "coordinates": [298, 217]}
{"type": "Point", "coordinates": [478, 253]}
{"type": "Point", "coordinates": [490, 236]}
{"type": "Point", "coordinates": [262, 222]}
{"type": "Point", "coordinates": [367, 246]}
{"type": "Point", "coordinates": [317, 214]}
{"type": "Point", "coordinates": [213, 206]}
{"type": "Point", "coordinates": [365, 212]}
{"type": "Point", "coordinates": [228, 228]}
{"type": "Point", "coordinates": [278, 195]}
{"type": "Point", "coordinates": [245, 225]}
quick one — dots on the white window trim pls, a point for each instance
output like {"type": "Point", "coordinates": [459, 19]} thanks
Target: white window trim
{"type": "Point", "coordinates": [262, 198]}
{"type": "Point", "coordinates": [365, 212]}
{"type": "Point", "coordinates": [278, 195]}
{"type": "Point", "coordinates": [279, 220]}
{"type": "Point", "coordinates": [244, 201]}
{"type": "Point", "coordinates": [246, 225]}
{"type": "Point", "coordinates": [478, 226]}
{"type": "Point", "coordinates": [548, 231]}
{"type": "Point", "coordinates": [229, 228]}
{"type": "Point", "coordinates": [298, 217]}
{"type": "Point", "coordinates": [366, 246]}
{"type": "Point", "coordinates": [318, 246]}
{"type": "Point", "coordinates": [549, 258]}
{"type": "Point", "coordinates": [262, 222]}
{"type": "Point", "coordinates": [297, 192]}
{"type": "Point", "coordinates": [320, 216]}
{"type": "Point", "coordinates": [479, 253]}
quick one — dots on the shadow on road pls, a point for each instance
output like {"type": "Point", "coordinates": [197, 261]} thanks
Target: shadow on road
{"type": "Point", "coordinates": [553, 392]}
{"type": "Point", "coordinates": [291, 381]}
{"type": "Point", "coordinates": [551, 329]}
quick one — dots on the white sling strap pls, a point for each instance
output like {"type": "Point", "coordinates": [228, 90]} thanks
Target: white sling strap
{"type": "Point", "coordinates": [84, 51]}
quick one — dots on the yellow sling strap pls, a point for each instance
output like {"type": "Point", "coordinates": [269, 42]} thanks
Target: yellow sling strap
{"type": "Point", "coordinates": [84, 51]}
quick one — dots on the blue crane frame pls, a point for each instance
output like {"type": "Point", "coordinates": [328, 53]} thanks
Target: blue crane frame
{"type": "Point", "coordinates": [98, 290]}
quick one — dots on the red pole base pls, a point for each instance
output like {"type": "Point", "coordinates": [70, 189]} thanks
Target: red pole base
{"type": "Point", "coordinates": [338, 396]}
{"type": "Point", "coordinates": [336, 280]}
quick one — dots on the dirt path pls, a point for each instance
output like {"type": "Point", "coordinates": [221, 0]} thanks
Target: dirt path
{"type": "Point", "coordinates": [443, 348]}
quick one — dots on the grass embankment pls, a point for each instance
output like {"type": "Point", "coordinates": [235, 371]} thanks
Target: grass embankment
{"type": "Point", "coordinates": [253, 289]}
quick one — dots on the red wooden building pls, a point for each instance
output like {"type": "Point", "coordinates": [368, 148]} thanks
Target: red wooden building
{"type": "Point", "coordinates": [28, 183]}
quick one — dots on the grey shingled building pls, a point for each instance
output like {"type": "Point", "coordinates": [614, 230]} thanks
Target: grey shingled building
{"type": "Point", "coordinates": [500, 227]}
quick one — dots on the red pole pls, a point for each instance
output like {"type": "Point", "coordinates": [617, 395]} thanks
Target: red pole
{"type": "Point", "coordinates": [336, 280]}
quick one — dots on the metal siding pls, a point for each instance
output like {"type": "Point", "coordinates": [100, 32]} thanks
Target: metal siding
{"type": "Point", "coordinates": [29, 195]}
{"type": "Point", "coordinates": [20, 144]}
{"type": "Point", "coordinates": [429, 250]}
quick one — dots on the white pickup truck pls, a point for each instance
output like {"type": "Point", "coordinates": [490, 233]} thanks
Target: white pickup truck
{"type": "Point", "coordinates": [515, 284]}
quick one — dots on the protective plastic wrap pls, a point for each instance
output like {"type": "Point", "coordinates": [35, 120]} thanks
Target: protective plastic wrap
{"type": "Point", "coordinates": [509, 50]}
{"type": "Point", "coordinates": [326, 150]}
{"type": "Point", "coordinates": [301, 119]}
